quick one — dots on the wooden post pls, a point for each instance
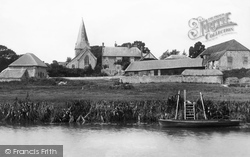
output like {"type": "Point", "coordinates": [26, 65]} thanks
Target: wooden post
{"type": "Point", "coordinates": [203, 106]}
{"type": "Point", "coordinates": [185, 101]}
{"type": "Point", "coordinates": [177, 105]}
{"type": "Point", "coordinates": [194, 110]}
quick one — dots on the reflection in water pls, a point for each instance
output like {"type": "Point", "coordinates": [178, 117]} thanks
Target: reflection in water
{"type": "Point", "coordinates": [132, 140]}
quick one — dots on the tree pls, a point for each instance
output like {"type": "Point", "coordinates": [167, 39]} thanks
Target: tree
{"type": "Point", "coordinates": [97, 52]}
{"type": "Point", "coordinates": [68, 59]}
{"type": "Point", "coordinates": [7, 56]}
{"type": "Point", "coordinates": [124, 62]}
{"type": "Point", "coordinates": [167, 54]}
{"type": "Point", "coordinates": [139, 44]}
{"type": "Point", "coordinates": [196, 50]}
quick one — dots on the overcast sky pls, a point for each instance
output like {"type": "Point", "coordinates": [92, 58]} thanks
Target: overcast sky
{"type": "Point", "coordinates": [49, 28]}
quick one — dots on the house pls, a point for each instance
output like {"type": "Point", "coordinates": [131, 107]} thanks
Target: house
{"type": "Point", "coordinates": [83, 56]}
{"type": "Point", "coordinates": [226, 56]}
{"type": "Point", "coordinates": [27, 66]}
{"type": "Point", "coordinates": [110, 56]}
{"type": "Point", "coordinates": [163, 67]}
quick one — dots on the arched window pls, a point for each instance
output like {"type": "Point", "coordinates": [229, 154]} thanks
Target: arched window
{"type": "Point", "coordinates": [86, 60]}
{"type": "Point", "coordinates": [73, 66]}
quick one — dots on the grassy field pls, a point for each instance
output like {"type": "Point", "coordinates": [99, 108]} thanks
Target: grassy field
{"type": "Point", "coordinates": [100, 90]}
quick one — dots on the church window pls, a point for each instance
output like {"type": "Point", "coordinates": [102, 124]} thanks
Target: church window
{"type": "Point", "coordinates": [86, 60]}
{"type": "Point", "coordinates": [73, 66]}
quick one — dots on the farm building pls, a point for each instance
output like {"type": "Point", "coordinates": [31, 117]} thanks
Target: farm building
{"type": "Point", "coordinates": [226, 56]}
{"type": "Point", "coordinates": [8, 75]}
{"type": "Point", "coordinates": [163, 67]}
{"type": "Point", "coordinates": [83, 56]}
{"type": "Point", "coordinates": [26, 66]}
{"type": "Point", "coordinates": [110, 55]}
{"type": "Point", "coordinates": [202, 76]}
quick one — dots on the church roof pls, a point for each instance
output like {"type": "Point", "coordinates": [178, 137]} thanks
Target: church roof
{"type": "Point", "coordinates": [28, 59]}
{"type": "Point", "coordinates": [82, 54]}
{"type": "Point", "coordinates": [82, 39]}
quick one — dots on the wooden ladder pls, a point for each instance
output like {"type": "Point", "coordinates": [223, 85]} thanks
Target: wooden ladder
{"type": "Point", "coordinates": [189, 109]}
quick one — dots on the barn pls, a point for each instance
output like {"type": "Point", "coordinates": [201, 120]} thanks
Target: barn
{"type": "Point", "coordinates": [163, 67]}
{"type": "Point", "coordinates": [27, 66]}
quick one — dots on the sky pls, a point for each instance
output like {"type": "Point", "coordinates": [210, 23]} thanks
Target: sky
{"type": "Point", "coordinates": [49, 28]}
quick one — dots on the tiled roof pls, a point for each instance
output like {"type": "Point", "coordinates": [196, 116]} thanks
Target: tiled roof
{"type": "Point", "coordinates": [28, 59]}
{"type": "Point", "coordinates": [121, 52]}
{"type": "Point", "coordinates": [206, 72]}
{"type": "Point", "coordinates": [12, 73]}
{"type": "Point", "coordinates": [231, 45]}
{"type": "Point", "coordinates": [164, 64]}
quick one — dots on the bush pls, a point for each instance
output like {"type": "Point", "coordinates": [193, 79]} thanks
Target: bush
{"type": "Point", "coordinates": [239, 73]}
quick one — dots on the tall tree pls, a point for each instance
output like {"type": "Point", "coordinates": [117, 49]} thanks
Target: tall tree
{"type": "Point", "coordinates": [167, 54]}
{"type": "Point", "coordinates": [7, 56]}
{"type": "Point", "coordinates": [196, 50]}
{"type": "Point", "coordinates": [97, 52]}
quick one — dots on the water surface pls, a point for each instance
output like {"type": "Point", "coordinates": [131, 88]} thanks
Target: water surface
{"type": "Point", "coordinates": [132, 140]}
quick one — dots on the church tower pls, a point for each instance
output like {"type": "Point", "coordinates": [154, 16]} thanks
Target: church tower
{"type": "Point", "coordinates": [83, 55]}
{"type": "Point", "coordinates": [82, 43]}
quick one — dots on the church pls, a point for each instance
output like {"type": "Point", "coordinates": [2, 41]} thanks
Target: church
{"type": "Point", "coordinates": [83, 56]}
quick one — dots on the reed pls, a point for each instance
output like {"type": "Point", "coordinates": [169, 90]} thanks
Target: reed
{"type": "Point", "coordinates": [115, 111]}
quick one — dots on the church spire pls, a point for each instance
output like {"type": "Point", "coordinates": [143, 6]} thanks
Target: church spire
{"type": "Point", "coordinates": [82, 39]}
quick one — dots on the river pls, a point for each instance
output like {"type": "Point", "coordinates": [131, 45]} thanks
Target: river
{"type": "Point", "coordinates": [132, 140]}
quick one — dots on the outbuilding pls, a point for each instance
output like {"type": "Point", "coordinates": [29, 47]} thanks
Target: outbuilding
{"type": "Point", "coordinates": [202, 76]}
{"type": "Point", "coordinates": [27, 66]}
{"type": "Point", "coordinates": [163, 67]}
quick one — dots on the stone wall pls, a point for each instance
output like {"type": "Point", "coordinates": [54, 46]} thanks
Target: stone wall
{"type": "Point", "coordinates": [156, 79]}
{"type": "Point", "coordinates": [172, 78]}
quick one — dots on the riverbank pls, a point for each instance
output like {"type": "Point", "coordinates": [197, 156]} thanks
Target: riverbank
{"type": "Point", "coordinates": [115, 111]}
{"type": "Point", "coordinates": [108, 101]}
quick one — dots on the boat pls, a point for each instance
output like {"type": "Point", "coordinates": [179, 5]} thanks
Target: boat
{"type": "Point", "coordinates": [198, 123]}
{"type": "Point", "coordinates": [190, 120]}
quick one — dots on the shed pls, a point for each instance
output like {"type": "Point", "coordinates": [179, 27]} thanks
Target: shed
{"type": "Point", "coordinates": [202, 76]}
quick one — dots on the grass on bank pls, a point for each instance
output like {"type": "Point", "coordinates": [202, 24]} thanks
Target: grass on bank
{"type": "Point", "coordinates": [48, 90]}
